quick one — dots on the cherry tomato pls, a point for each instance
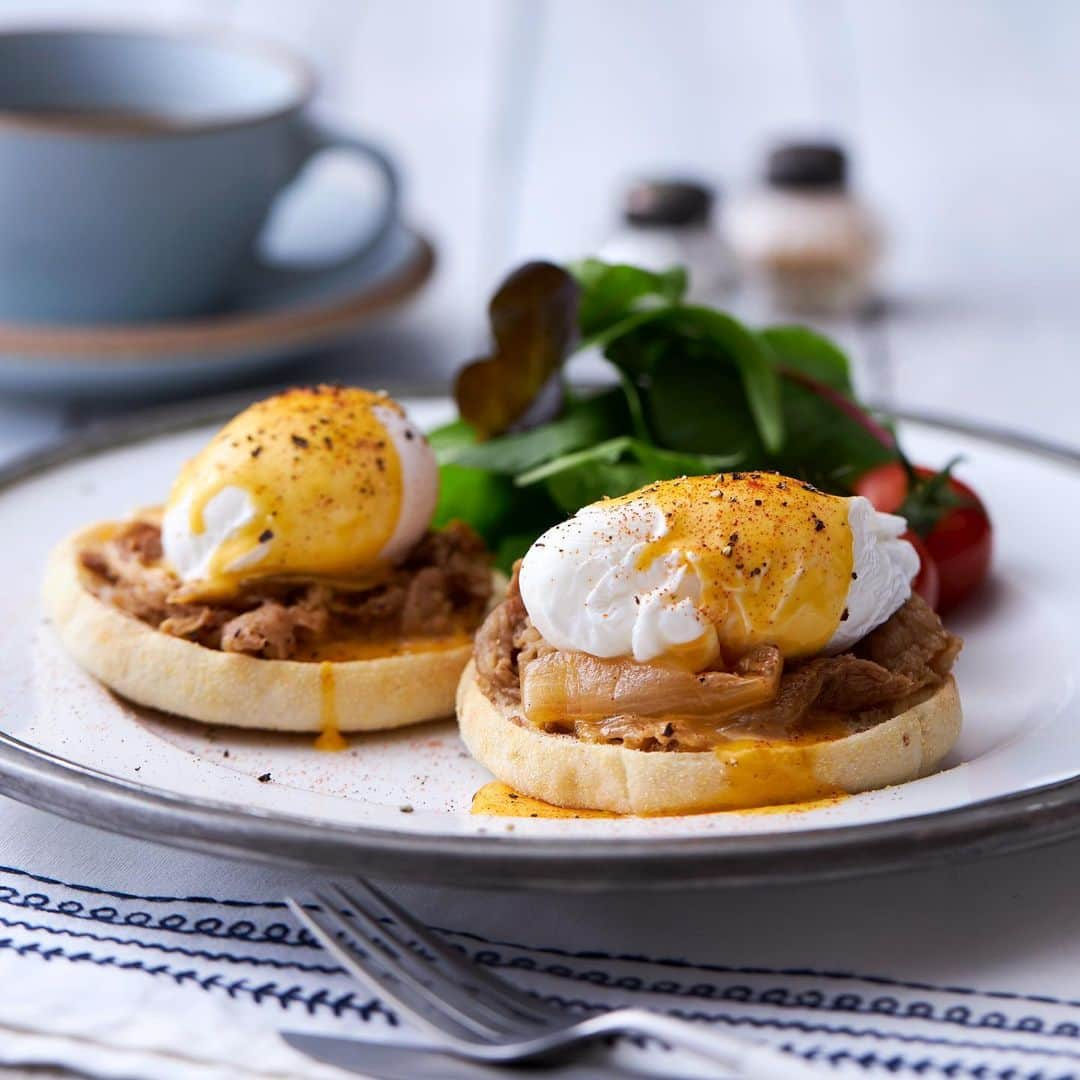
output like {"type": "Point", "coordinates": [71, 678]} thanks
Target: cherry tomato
{"type": "Point", "coordinates": [927, 581]}
{"type": "Point", "coordinates": [962, 545]}
{"type": "Point", "coordinates": [961, 541]}
{"type": "Point", "coordinates": [885, 486]}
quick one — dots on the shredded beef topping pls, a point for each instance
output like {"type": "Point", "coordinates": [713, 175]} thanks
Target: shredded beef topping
{"type": "Point", "coordinates": [276, 630]}
{"type": "Point", "coordinates": [498, 645]}
{"type": "Point", "coordinates": [442, 587]}
{"type": "Point", "coordinates": [904, 659]}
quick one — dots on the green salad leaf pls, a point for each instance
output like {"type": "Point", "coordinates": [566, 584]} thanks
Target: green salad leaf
{"type": "Point", "coordinates": [583, 423]}
{"type": "Point", "coordinates": [479, 497]}
{"type": "Point", "coordinates": [451, 438]}
{"type": "Point", "coordinates": [493, 505]}
{"type": "Point", "coordinates": [728, 337]}
{"type": "Point", "coordinates": [612, 292]}
{"type": "Point", "coordinates": [696, 391]}
{"type": "Point", "coordinates": [644, 346]}
{"type": "Point", "coordinates": [698, 406]}
{"type": "Point", "coordinates": [612, 468]}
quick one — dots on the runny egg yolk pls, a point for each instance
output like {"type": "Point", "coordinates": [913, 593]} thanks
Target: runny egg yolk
{"type": "Point", "coordinates": [774, 557]}
{"type": "Point", "coordinates": [324, 480]}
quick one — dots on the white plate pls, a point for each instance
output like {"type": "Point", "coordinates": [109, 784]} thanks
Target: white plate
{"type": "Point", "coordinates": [399, 803]}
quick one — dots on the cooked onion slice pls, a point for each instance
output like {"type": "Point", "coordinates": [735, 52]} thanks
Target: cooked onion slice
{"type": "Point", "coordinates": [561, 687]}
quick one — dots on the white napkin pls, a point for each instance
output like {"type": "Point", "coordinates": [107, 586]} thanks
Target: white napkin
{"type": "Point", "coordinates": [122, 958]}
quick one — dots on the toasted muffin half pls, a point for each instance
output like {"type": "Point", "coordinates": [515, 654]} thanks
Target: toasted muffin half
{"type": "Point", "coordinates": [566, 771]}
{"type": "Point", "coordinates": [154, 669]}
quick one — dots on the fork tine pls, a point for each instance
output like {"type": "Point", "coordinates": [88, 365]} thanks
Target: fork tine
{"type": "Point", "coordinates": [504, 991]}
{"type": "Point", "coordinates": [482, 1013]}
{"type": "Point", "coordinates": [495, 991]}
{"type": "Point", "coordinates": [411, 999]}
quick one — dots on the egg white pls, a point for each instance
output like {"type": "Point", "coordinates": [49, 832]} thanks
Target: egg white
{"type": "Point", "coordinates": [419, 482]}
{"type": "Point", "coordinates": [191, 553]}
{"type": "Point", "coordinates": [884, 567]}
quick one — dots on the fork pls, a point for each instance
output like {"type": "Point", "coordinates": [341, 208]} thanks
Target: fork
{"type": "Point", "coordinates": [475, 1015]}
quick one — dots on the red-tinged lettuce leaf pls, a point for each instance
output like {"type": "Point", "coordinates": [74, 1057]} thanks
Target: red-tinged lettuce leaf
{"type": "Point", "coordinates": [832, 440]}
{"type": "Point", "coordinates": [534, 317]}
{"type": "Point", "coordinates": [843, 404]}
{"type": "Point", "coordinates": [800, 349]}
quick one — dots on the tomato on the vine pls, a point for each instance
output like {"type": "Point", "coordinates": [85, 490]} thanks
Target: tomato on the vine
{"type": "Point", "coordinates": [948, 516]}
{"type": "Point", "coordinates": [962, 546]}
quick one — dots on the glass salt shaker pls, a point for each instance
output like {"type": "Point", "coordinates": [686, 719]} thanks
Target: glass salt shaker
{"type": "Point", "coordinates": [803, 236]}
{"type": "Point", "coordinates": [669, 223]}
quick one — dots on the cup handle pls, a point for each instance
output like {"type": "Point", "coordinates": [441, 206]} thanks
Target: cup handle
{"type": "Point", "coordinates": [320, 138]}
{"type": "Point", "coordinates": [317, 139]}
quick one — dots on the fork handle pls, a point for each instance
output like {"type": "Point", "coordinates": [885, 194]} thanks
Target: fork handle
{"type": "Point", "coordinates": [754, 1060]}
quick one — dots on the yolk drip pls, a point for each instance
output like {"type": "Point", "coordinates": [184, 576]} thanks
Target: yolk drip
{"type": "Point", "coordinates": [500, 800]}
{"type": "Point", "coordinates": [369, 648]}
{"type": "Point", "coordinates": [796, 808]}
{"type": "Point", "coordinates": [331, 738]}
{"type": "Point", "coordinates": [323, 475]}
{"type": "Point", "coordinates": [771, 774]}
{"type": "Point", "coordinates": [774, 556]}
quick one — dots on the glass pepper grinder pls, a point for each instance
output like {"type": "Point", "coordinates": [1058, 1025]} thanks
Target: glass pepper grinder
{"type": "Point", "coordinates": [803, 236]}
{"type": "Point", "coordinates": [668, 223]}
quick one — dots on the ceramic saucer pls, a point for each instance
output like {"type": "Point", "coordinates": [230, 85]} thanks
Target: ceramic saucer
{"type": "Point", "coordinates": [274, 314]}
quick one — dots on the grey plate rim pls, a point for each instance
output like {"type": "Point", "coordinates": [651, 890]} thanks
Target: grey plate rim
{"type": "Point", "coordinates": [49, 782]}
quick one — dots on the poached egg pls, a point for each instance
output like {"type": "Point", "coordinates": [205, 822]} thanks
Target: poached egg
{"type": "Point", "coordinates": [684, 570]}
{"type": "Point", "coordinates": [324, 482]}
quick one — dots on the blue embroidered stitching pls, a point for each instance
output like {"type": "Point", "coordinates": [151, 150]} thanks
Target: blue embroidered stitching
{"type": "Point", "coordinates": [321, 997]}
{"type": "Point", "coordinates": [724, 969]}
{"type": "Point", "coordinates": [244, 930]}
{"type": "Point", "coordinates": [285, 997]}
{"type": "Point", "coordinates": [195, 954]}
{"type": "Point", "coordinates": [209, 926]}
{"type": "Point", "coordinates": [805, 1027]}
{"type": "Point", "coordinates": [136, 896]}
{"type": "Point", "coordinates": [346, 1002]}
{"type": "Point", "coordinates": [870, 1060]}
{"type": "Point", "coordinates": [781, 997]}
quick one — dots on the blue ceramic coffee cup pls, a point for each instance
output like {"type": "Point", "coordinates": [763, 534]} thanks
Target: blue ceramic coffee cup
{"type": "Point", "coordinates": [137, 169]}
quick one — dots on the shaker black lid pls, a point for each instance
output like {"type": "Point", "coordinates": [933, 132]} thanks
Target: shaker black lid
{"type": "Point", "coordinates": [668, 202]}
{"type": "Point", "coordinates": [807, 165]}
